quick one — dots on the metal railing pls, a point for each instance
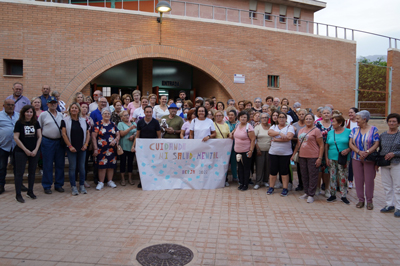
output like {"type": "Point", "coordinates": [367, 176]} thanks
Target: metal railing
{"type": "Point", "coordinates": [205, 11]}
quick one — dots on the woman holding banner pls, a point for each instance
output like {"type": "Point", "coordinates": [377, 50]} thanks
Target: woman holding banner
{"type": "Point", "coordinates": [244, 138]}
{"type": "Point", "coordinates": [202, 127]}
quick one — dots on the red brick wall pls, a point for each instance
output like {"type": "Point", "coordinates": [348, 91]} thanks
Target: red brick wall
{"type": "Point", "coordinates": [67, 47]}
{"type": "Point", "coordinates": [393, 60]}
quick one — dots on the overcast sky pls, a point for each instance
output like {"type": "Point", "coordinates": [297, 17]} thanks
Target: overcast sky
{"type": "Point", "coordinates": [381, 17]}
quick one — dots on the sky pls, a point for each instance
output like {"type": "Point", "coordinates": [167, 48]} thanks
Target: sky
{"type": "Point", "coordinates": [380, 17]}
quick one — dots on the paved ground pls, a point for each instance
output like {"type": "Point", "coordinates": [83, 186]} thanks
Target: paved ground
{"type": "Point", "coordinates": [223, 226]}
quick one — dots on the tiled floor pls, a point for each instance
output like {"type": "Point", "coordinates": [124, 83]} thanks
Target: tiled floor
{"type": "Point", "coordinates": [224, 226]}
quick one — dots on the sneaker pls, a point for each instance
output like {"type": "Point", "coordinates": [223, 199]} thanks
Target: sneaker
{"type": "Point", "coordinates": [226, 184]}
{"type": "Point", "coordinates": [240, 187]}
{"type": "Point", "coordinates": [387, 209]}
{"type": "Point", "coordinates": [278, 184]}
{"type": "Point", "coordinates": [350, 185]}
{"type": "Point", "coordinates": [111, 184]}
{"type": "Point", "coordinates": [41, 172]}
{"type": "Point", "coordinates": [285, 192]}
{"type": "Point", "coordinates": [74, 191]}
{"type": "Point", "coordinates": [331, 199]}
{"type": "Point", "coordinates": [266, 184]}
{"type": "Point", "coordinates": [345, 200]}
{"type": "Point", "coordinates": [397, 213]}
{"type": "Point", "coordinates": [327, 194]}
{"type": "Point", "coordinates": [256, 187]}
{"type": "Point", "coordinates": [31, 195]}
{"type": "Point", "coordinates": [100, 185]}
{"type": "Point", "coordinates": [290, 186]}
{"type": "Point", "coordinates": [318, 191]}
{"type": "Point", "coordinates": [48, 191]}
{"type": "Point", "coordinates": [87, 185]}
{"type": "Point", "coordinates": [310, 199]}
{"type": "Point", "coordinates": [304, 196]}
{"type": "Point", "coordinates": [299, 188]}
{"type": "Point", "coordinates": [244, 188]}
{"type": "Point", "coordinates": [20, 199]}
{"type": "Point", "coordinates": [82, 189]}
{"type": "Point", "coordinates": [270, 191]}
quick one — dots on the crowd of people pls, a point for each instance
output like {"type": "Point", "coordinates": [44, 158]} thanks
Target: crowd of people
{"type": "Point", "coordinates": [331, 154]}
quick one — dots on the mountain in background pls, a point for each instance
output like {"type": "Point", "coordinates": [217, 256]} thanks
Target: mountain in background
{"type": "Point", "coordinates": [373, 57]}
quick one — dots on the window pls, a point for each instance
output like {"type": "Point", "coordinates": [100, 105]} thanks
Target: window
{"type": "Point", "coordinates": [282, 13]}
{"type": "Point", "coordinates": [296, 21]}
{"type": "Point", "coordinates": [12, 67]}
{"type": "Point", "coordinates": [106, 91]}
{"type": "Point", "coordinates": [282, 18]}
{"type": "Point", "coordinates": [267, 16]}
{"type": "Point", "coordinates": [273, 81]}
{"type": "Point", "coordinates": [296, 16]}
{"type": "Point", "coordinates": [252, 14]}
{"type": "Point", "coordinates": [252, 8]}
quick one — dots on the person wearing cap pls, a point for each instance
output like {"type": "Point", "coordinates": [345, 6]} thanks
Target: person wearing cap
{"type": "Point", "coordinates": [198, 102]}
{"type": "Point", "coordinates": [19, 99]}
{"type": "Point", "coordinates": [53, 149]}
{"type": "Point", "coordinates": [174, 123]}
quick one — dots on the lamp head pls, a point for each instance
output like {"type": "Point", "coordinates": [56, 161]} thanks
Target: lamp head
{"type": "Point", "coordinates": [163, 6]}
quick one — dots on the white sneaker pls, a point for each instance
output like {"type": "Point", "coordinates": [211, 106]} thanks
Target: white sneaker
{"type": "Point", "coordinates": [111, 184]}
{"type": "Point", "coordinates": [303, 197]}
{"type": "Point", "coordinates": [266, 184]}
{"type": "Point", "coordinates": [318, 191]}
{"type": "Point", "coordinates": [350, 184]}
{"type": "Point", "coordinates": [290, 186]}
{"type": "Point", "coordinates": [310, 199]}
{"type": "Point", "coordinates": [100, 185]}
{"type": "Point", "coordinates": [226, 184]}
{"type": "Point", "coordinates": [327, 194]}
{"type": "Point", "coordinates": [278, 184]}
{"type": "Point", "coordinates": [256, 187]}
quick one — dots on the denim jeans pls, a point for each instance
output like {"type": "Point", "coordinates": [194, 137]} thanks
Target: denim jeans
{"type": "Point", "coordinates": [3, 166]}
{"type": "Point", "coordinates": [20, 162]}
{"type": "Point", "coordinates": [76, 161]}
{"type": "Point", "coordinates": [52, 152]}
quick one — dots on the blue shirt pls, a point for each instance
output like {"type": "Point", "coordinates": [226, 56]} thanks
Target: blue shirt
{"type": "Point", "coordinates": [20, 102]}
{"type": "Point", "coordinates": [96, 116]}
{"type": "Point", "coordinates": [7, 125]}
{"type": "Point", "coordinates": [44, 102]}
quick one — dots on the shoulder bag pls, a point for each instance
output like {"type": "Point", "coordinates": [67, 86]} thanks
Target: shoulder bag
{"type": "Point", "coordinates": [62, 142]}
{"type": "Point", "coordinates": [219, 130]}
{"type": "Point", "coordinates": [296, 156]}
{"type": "Point", "coordinates": [342, 159]}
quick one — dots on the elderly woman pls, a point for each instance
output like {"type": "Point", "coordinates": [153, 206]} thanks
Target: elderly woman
{"type": "Point", "coordinates": [221, 106]}
{"type": "Point", "coordinates": [324, 125]}
{"type": "Point", "coordinates": [135, 104]}
{"type": "Point", "coordinates": [257, 105]}
{"type": "Point", "coordinates": [299, 125]}
{"type": "Point", "coordinates": [222, 129]}
{"type": "Point", "coordinates": [269, 100]}
{"type": "Point", "coordinates": [27, 136]}
{"type": "Point", "coordinates": [248, 105]}
{"type": "Point", "coordinates": [264, 108]}
{"type": "Point", "coordinates": [126, 100]}
{"type": "Point", "coordinates": [188, 104]}
{"type": "Point", "coordinates": [285, 109]}
{"type": "Point", "coordinates": [338, 142]}
{"type": "Point", "coordinates": [78, 98]}
{"type": "Point", "coordinates": [185, 130]}
{"type": "Point", "coordinates": [75, 132]}
{"type": "Point", "coordinates": [364, 140]}
{"type": "Point", "coordinates": [318, 115]}
{"type": "Point", "coordinates": [105, 138]}
{"type": "Point", "coordinates": [139, 112]}
{"type": "Point", "coordinates": [162, 109]}
{"type": "Point", "coordinates": [280, 153]}
{"type": "Point", "coordinates": [262, 145]}
{"type": "Point", "coordinates": [114, 97]}
{"type": "Point", "coordinates": [231, 102]}
{"type": "Point", "coordinates": [256, 118]}
{"type": "Point", "coordinates": [152, 100]}
{"type": "Point", "coordinates": [311, 148]}
{"type": "Point", "coordinates": [116, 114]}
{"type": "Point", "coordinates": [202, 127]}
{"type": "Point", "coordinates": [241, 105]}
{"type": "Point", "coordinates": [390, 151]}
{"type": "Point", "coordinates": [244, 138]}
{"type": "Point", "coordinates": [350, 124]}
{"type": "Point", "coordinates": [37, 103]}
{"type": "Point", "coordinates": [293, 112]}
{"type": "Point", "coordinates": [127, 131]}
{"type": "Point", "coordinates": [60, 104]}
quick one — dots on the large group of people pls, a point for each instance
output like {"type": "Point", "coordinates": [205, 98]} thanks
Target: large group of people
{"type": "Point", "coordinates": [332, 154]}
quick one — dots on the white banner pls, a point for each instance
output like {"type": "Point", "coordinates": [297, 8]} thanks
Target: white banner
{"type": "Point", "coordinates": [183, 163]}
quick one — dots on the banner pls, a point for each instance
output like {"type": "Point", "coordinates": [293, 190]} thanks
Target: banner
{"type": "Point", "coordinates": [183, 163]}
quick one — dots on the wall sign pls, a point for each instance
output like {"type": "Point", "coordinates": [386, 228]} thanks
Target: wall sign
{"type": "Point", "coordinates": [239, 78]}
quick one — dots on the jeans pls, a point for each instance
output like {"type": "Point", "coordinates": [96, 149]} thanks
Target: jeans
{"type": "Point", "coordinates": [76, 161]}
{"type": "Point", "coordinates": [3, 166]}
{"type": "Point", "coordinates": [20, 162]}
{"type": "Point", "coordinates": [52, 152]}
{"type": "Point", "coordinates": [244, 169]}
{"type": "Point", "coordinates": [123, 157]}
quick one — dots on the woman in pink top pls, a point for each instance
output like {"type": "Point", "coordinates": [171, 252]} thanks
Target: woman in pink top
{"type": "Point", "coordinates": [135, 104]}
{"type": "Point", "coordinates": [244, 146]}
{"type": "Point", "coordinates": [311, 148]}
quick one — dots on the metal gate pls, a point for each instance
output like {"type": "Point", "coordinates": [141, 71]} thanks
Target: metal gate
{"type": "Point", "coordinates": [374, 89]}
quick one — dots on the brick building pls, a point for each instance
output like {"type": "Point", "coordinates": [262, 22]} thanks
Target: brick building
{"type": "Point", "coordinates": [79, 48]}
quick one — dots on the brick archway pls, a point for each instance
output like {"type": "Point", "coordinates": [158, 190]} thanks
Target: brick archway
{"type": "Point", "coordinates": [149, 51]}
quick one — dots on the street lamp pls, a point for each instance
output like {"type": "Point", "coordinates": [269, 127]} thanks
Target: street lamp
{"type": "Point", "coordinates": [162, 7]}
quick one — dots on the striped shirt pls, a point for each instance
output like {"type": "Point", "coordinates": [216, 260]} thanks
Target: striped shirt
{"type": "Point", "coordinates": [363, 142]}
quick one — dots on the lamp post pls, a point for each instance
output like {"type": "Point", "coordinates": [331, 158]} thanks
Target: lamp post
{"type": "Point", "coordinates": [162, 7]}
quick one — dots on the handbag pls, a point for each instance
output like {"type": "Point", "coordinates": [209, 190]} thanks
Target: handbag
{"type": "Point", "coordinates": [120, 151]}
{"type": "Point", "coordinates": [381, 161]}
{"type": "Point", "coordinates": [342, 159]}
{"type": "Point", "coordinates": [296, 156]}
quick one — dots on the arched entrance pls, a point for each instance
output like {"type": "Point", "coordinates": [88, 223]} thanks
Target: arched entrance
{"type": "Point", "coordinates": [150, 51]}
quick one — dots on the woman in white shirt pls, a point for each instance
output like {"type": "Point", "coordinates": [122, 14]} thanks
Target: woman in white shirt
{"type": "Point", "coordinates": [162, 109]}
{"type": "Point", "coordinates": [139, 112]}
{"type": "Point", "coordinates": [202, 127]}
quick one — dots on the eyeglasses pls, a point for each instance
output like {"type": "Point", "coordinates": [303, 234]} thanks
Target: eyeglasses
{"type": "Point", "coordinates": [103, 101]}
{"type": "Point", "coordinates": [264, 117]}
{"type": "Point", "coordinates": [282, 117]}
{"type": "Point", "coordinates": [219, 115]}
{"type": "Point", "coordinates": [95, 94]}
